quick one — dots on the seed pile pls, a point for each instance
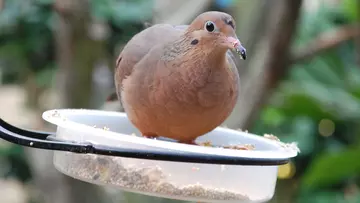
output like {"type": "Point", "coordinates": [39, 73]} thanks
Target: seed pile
{"type": "Point", "coordinates": [110, 170]}
{"type": "Point", "coordinates": [235, 147]}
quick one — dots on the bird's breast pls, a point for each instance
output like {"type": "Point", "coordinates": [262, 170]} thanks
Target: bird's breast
{"type": "Point", "coordinates": [198, 88]}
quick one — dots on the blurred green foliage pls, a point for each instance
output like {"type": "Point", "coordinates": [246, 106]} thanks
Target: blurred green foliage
{"type": "Point", "coordinates": [318, 105]}
{"type": "Point", "coordinates": [27, 49]}
{"type": "Point", "coordinates": [351, 8]}
{"type": "Point", "coordinates": [13, 163]}
{"type": "Point", "coordinates": [23, 51]}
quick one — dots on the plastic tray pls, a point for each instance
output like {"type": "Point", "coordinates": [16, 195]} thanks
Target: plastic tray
{"type": "Point", "coordinates": [168, 169]}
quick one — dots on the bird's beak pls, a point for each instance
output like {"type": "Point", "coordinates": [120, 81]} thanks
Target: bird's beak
{"type": "Point", "coordinates": [235, 44]}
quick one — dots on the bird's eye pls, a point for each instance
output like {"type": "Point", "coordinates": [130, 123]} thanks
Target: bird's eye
{"type": "Point", "coordinates": [210, 26]}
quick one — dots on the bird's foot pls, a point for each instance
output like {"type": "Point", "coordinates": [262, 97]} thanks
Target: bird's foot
{"type": "Point", "coordinates": [192, 142]}
{"type": "Point", "coordinates": [150, 136]}
{"type": "Point", "coordinates": [112, 97]}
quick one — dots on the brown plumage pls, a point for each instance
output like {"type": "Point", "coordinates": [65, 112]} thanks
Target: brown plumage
{"type": "Point", "coordinates": [180, 82]}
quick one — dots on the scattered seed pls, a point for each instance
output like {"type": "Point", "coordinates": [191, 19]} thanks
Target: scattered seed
{"type": "Point", "coordinates": [271, 137]}
{"type": "Point", "coordinates": [152, 179]}
{"type": "Point", "coordinates": [291, 146]}
{"type": "Point", "coordinates": [235, 147]}
{"type": "Point", "coordinates": [55, 114]}
{"type": "Point", "coordinates": [206, 144]}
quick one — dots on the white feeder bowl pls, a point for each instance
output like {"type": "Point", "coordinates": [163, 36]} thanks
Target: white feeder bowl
{"type": "Point", "coordinates": [252, 179]}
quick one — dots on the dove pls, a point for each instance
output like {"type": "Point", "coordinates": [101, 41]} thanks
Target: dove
{"type": "Point", "coordinates": [180, 81]}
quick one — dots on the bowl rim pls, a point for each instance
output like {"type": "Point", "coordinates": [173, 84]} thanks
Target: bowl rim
{"type": "Point", "coordinates": [246, 157]}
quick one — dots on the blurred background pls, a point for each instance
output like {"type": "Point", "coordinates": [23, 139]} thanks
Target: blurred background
{"type": "Point", "coordinates": [301, 82]}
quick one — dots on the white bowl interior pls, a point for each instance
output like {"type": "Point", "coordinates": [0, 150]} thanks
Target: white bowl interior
{"type": "Point", "coordinates": [120, 129]}
{"type": "Point", "coordinates": [256, 183]}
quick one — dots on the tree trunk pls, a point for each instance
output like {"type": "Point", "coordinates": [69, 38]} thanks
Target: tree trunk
{"type": "Point", "coordinates": [268, 62]}
{"type": "Point", "coordinates": [77, 54]}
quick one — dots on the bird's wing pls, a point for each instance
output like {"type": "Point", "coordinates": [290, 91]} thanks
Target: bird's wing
{"type": "Point", "coordinates": [138, 47]}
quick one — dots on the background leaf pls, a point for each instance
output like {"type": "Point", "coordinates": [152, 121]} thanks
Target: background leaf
{"type": "Point", "coordinates": [330, 169]}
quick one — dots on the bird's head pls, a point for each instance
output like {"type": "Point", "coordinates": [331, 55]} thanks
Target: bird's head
{"type": "Point", "coordinates": [216, 29]}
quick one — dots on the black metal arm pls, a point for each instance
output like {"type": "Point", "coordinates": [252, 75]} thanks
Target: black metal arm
{"type": "Point", "coordinates": [47, 140]}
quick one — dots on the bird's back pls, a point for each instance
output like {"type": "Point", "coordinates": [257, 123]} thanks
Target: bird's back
{"type": "Point", "coordinates": [135, 50]}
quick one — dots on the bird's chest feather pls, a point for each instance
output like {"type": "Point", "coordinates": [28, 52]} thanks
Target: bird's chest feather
{"type": "Point", "coordinates": [200, 84]}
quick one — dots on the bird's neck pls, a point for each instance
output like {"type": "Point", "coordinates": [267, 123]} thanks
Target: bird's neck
{"type": "Point", "coordinates": [205, 52]}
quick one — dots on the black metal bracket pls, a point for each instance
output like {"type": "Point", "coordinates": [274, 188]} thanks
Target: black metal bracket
{"type": "Point", "coordinates": [48, 141]}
